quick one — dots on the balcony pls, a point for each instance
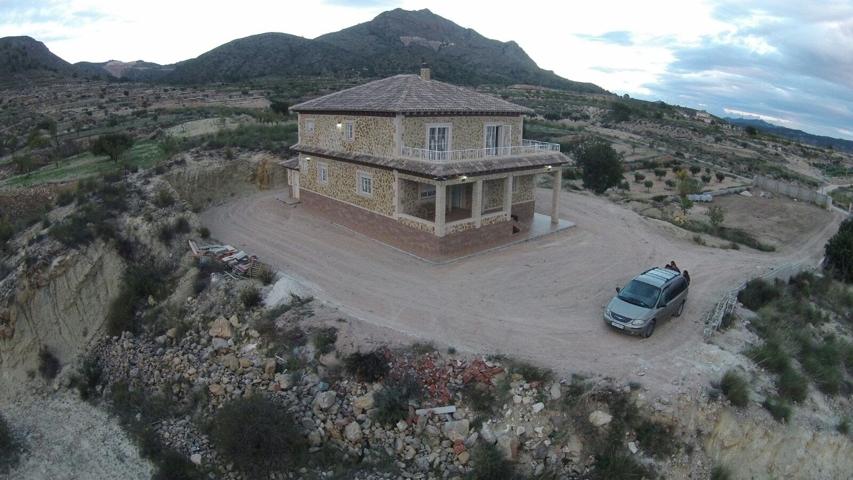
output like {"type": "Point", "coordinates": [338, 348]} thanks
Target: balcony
{"type": "Point", "coordinates": [527, 147]}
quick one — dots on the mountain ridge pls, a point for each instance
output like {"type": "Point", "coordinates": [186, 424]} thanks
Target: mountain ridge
{"type": "Point", "coordinates": [794, 134]}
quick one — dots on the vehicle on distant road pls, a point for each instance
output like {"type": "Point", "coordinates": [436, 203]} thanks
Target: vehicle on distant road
{"type": "Point", "coordinates": [648, 299]}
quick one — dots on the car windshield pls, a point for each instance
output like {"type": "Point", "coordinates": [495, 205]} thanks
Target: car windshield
{"type": "Point", "coordinates": [640, 293]}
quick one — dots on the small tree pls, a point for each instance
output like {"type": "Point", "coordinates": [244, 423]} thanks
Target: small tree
{"type": "Point", "coordinates": [706, 179]}
{"type": "Point", "coordinates": [279, 106]}
{"type": "Point", "coordinates": [602, 167]}
{"type": "Point", "coordinates": [839, 252]}
{"type": "Point", "coordinates": [686, 204]}
{"type": "Point", "coordinates": [112, 145]}
{"type": "Point", "coordinates": [639, 177]}
{"type": "Point", "coordinates": [670, 183]}
{"type": "Point", "coordinates": [751, 131]}
{"type": "Point", "coordinates": [648, 184]}
{"type": "Point", "coordinates": [717, 215]}
{"type": "Point", "coordinates": [694, 169]}
{"type": "Point", "coordinates": [720, 176]}
{"type": "Point", "coordinates": [660, 173]}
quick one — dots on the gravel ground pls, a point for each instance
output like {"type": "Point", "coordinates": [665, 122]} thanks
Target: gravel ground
{"type": "Point", "coordinates": [540, 300]}
{"type": "Point", "coordinates": [66, 438]}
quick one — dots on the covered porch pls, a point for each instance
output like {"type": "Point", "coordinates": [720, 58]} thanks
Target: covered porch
{"type": "Point", "coordinates": [444, 207]}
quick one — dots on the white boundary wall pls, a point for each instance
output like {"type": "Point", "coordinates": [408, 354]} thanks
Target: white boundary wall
{"type": "Point", "coordinates": [793, 191]}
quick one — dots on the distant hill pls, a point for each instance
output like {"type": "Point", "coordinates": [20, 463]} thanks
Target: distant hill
{"type": "Point", "coordinates": [398, 41]}
{"type": "Point", "coordinates": [26, 58]}
{"type": "Point", "coordinates": [137, 71]}
{"type": "Point", "coordinates": [394, 42]}
{"type": "Point", "coordinates": [797, 135]}
{"type": "Point", "coordinates": [263, 55]}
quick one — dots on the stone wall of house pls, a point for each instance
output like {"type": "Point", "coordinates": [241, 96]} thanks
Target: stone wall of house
{"type": "Point", "coordinates": [373, 135]}
{"type": "Point", "coordinates": [524, 191]}
{"type": "Point", "coordinates": [342, 183]}
{"type": "Point", "coordinates": [467, 132]}
{"type": "Point", "coordinates": [493, 194]}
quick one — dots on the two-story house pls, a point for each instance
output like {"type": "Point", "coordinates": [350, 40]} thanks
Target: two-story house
{"type": "Point", "coordinates": [428, 167]}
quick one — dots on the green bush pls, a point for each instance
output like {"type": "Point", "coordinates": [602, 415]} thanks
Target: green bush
{"type": "Point", "coordinates": [792, 386]}
{"type": "Point", "coordinates": [839, 252]}
{"type": "Point", "coordinates": [65, 197]}
{"type": "Point", "coordinates": [204, 232]}
{"type": "Point", "coordinates": [758, 293]}
{"type": "Point", "coordinates": [266, 275]}
{"type": "Point", "coordinates": [172, 465]}
{"type": "Point", "coordinates": [164, 198]}
{"type": "Point", "coordinates": [614, 464]}
{"type": "Point", "coordinates": [88, 378]}
{"type": "Point", "coordinates": [601, 165]}
{"type": "Point", "coordinates": [367, 367]}
{"type": "Point", "coordinates": [139, 281]}
{"type": "Point", "coordinates": [250, 297]}
{"type": "Point", "coordinates": [655, 438]}
{"type": "Point", "coordinates": [166, 233]}
{"type": "Point", "coordinates": [639, 177]}
{"type": "Point", "coordinates": [48, 364]}
{"type": "Point", "coordinates": [843, 426]}
{"type": "Point", "coordinates": [720, 472]}
{"type": "Point", "coordinates": [780, 410]}
{"type": "Point", "coordinates": [324, 340]}
{"type": "Point", "coordinates": [392, 402]}
{"type": "Point", "coordinates": [529, 372]}
{"type": "Point", "coordinates": [735, 388]}
{"type": "Point", "coordinates": [480, 398]}
{"type": "Point", "coordinates": [258, 436]}
{"type": "Point", "coordinates": [488, 463]}
{"type": "Point", "coordinates": [8, 447]}
{"type": "Point", "coordinates": [181, 225]}
{"type": "Point", "coordinates": [771, 355]}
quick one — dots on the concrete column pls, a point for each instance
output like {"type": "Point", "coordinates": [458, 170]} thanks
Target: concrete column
{"type": "Point", "coordinates": [477, 203]}
{"type": "Point", "coordinates": [440, 206]}
{"type": "Point", "coordinates": [557, 186]}
{"type": "Point", "coordinates": [294, 187]}
{"type": "Point", "coordinates": [508, 196]}
{"type": "Point", "coordinates": [396, 193]}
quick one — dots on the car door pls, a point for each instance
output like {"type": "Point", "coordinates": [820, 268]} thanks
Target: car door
{"type": "Point", "coordinates": [679, 294]}
{"type": "Point", "coordinates": [665, 303]}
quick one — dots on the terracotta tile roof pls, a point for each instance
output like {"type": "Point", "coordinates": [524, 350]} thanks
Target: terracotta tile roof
{"type": "Point", "coordinates": [409, 94]}
{"type": "Point", "coordinates": [439, 170]}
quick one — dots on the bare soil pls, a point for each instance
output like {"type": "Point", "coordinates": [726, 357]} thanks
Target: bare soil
{"type": "Point", "coordinates": [779, 221]}
{"type": "Point", "coordinates": [540, 300]}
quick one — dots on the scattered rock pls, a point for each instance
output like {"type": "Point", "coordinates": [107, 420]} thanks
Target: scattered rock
{"type": "Point", "coordinates": [508, 445]}
{"type": "Point", "coordinates": [216, 389]}
{"type": "Point", "coordinates": [230, 362]}
{"type": "Point", "coordinates": [599, 418]}
{"type": "Point", "coordinates": [538, 407]}
{"type": "Point", "coordinates": [632, 446]}
{"type": "Point", "coordinates": [325, 400]}
{"type": "Point", "coordinates": [555, 391]}
{"type": "Point", "coordinates": [456, 429]}
{"type": "Point", "coordinates": [220, 328]}
{"type": "Point", "coordinates": [363, 403]}
{"type": "Point", "coordinates": [352, 432]}
{"type": "Point", "coordinates": [196, 458]}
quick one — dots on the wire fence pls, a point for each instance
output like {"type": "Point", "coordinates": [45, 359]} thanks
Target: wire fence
{"type": "Point", "coordinates": [726, 305]}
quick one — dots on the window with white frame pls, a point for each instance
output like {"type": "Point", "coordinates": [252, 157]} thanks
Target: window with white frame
{"type": "Point", "coordinates": [498, 139]}
{"type": "Point", "coordinates": [365, 183]}
{"type": "Point", "coordinates": [322, 172]}
{"type": "Point", "coordinates": [349, 131]}
{"type": "Point", "coordinates": [438, 141]}
{"type": "Point", "coordinates": [309, 126]}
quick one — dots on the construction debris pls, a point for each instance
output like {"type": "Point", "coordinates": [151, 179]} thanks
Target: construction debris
{"type": "Point", "coordinates": [239, 262]}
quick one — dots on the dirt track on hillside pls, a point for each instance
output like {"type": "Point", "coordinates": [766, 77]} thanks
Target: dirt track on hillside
{"type": "Point", "coordinates": [541, 300]}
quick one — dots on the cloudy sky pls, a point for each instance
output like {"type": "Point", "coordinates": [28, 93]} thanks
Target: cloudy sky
{"type": "Point", "coordinates": [788, 62]}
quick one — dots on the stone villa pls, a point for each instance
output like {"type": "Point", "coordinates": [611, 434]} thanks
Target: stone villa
{"type": "Point", "coordinates": [428, 167]}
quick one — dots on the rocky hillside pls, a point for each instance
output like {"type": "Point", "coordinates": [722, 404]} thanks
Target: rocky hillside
{"type": "Point", "coordinates": [24, 57]}
{"type": "Point", "coordinates": [399, 40]}
{"type": "Point", "coordinates": [136, 71]}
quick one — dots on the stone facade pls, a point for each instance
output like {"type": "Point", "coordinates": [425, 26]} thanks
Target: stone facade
{"type": "Point", "coordinates": [493, 194]}
{"type": "Point", "coordinates": [342, 182]}
{"type": "Point", "coordinates": [466, 132]}
{"type": "Point", "coordinates": [371, 135]}
{"type": "Point", "coordinates": [522, 189]}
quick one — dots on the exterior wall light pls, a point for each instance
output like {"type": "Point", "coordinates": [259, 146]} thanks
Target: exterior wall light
{"type": "Point", "coordinates": [339, 125]}
{"type": "Point", "coordinates": [547, 167]}
{"type": "Point", "coordinates": [463, 178]}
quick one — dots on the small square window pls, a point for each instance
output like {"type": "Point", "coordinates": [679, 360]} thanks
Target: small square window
{"type": "Point", "coordinates": [309, 126]}
{"type": "Point", "coordinates": [349, 131]}
{"type": "Point", "coordinates": [322, 173]}
{"type": "Point", "coordinates": [365, 183]}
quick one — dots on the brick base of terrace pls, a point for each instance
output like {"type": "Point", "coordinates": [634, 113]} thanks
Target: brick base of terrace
{"type": "Point", "coordinates": [524, 225]}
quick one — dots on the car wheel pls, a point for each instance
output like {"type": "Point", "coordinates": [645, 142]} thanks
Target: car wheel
{"type": "Point", "coordinates": [680, 309]}
{"type": "Point", "coordinates": [649, 330]}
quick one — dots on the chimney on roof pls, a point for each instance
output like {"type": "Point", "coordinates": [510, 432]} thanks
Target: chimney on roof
{"type": "Point", "coordinates": [425, 73]}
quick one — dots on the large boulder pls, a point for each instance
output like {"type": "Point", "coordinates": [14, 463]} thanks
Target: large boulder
{"type": "Point", "coordinates": [456, 429]}
{"type": "Point", "coordinates": [221, 328]}
{"type": "Point", "coordinates": [599, 418]}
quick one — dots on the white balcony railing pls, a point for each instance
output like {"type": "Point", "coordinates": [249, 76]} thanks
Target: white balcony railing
{"type": "Point", "coordinates": [527, 147]}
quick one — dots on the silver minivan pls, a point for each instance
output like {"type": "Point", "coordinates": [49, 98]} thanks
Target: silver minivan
{"type": "Point", "coordinates": [651, 297]}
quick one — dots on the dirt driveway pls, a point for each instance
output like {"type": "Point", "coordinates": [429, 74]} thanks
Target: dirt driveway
{"type": "Point", "coordinates": [541, 300]}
